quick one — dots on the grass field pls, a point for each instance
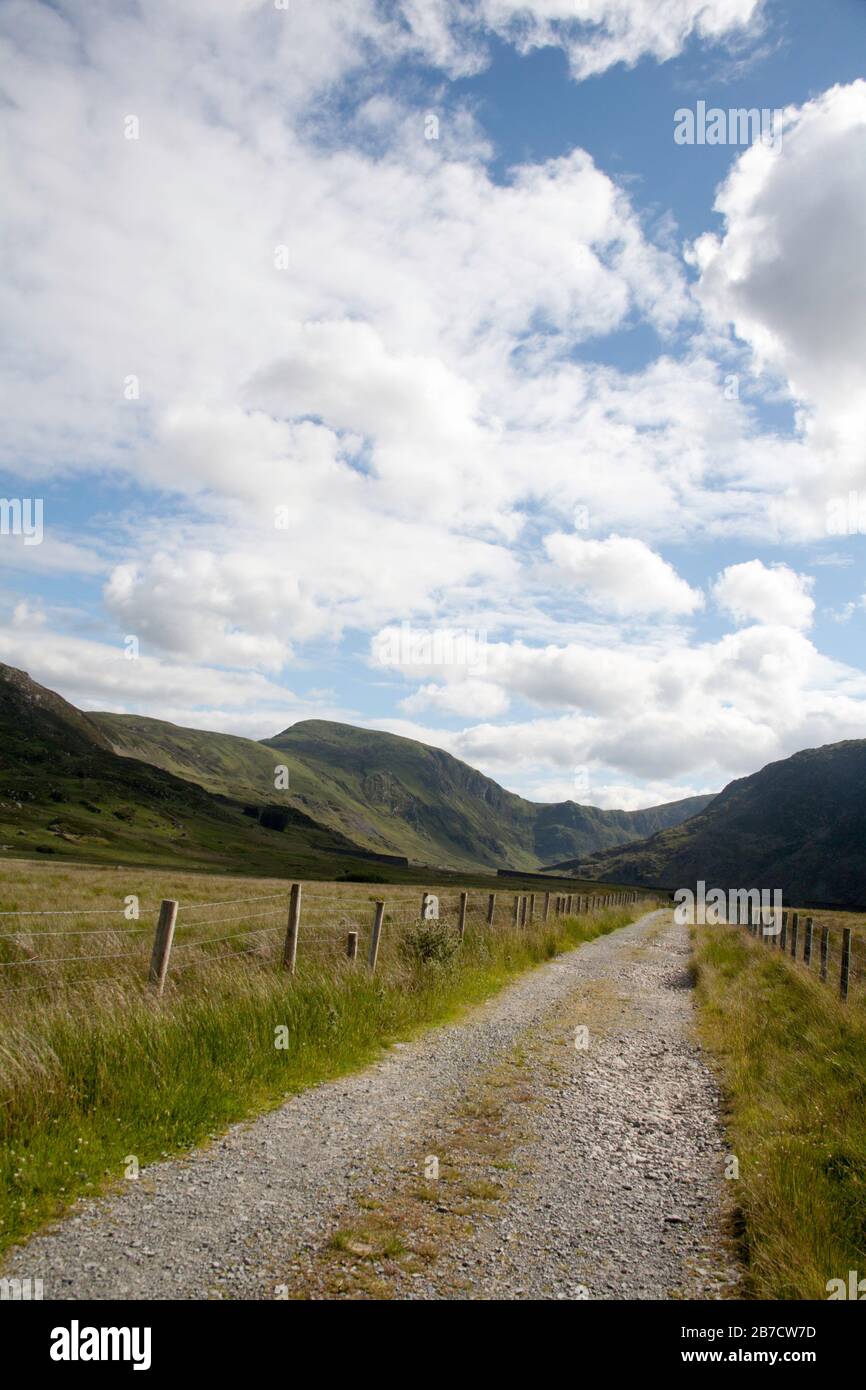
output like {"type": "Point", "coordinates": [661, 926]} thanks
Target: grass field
{"type": "Point", "coordinates": [792, 1062]}
{"type": "Point", "coordinates": [95, 1071]}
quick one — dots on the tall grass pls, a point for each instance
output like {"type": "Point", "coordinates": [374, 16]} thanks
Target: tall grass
{"type": "Point", "coordinates": [95, 1071]}
{"type": "Point", "coordinates": [792, 1060]}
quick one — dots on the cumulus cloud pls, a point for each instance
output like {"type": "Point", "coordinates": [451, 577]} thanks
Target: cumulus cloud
{"type": "Point", "coordinates": [622, 575]}
{"type": "Point", "coordinates": [752, 592]}
{"type": "Point", "coordinates": [687, 717]}
{"type": "Point", "coordinates": [99, 675]}
{"type": "Point", "coordinates": [474, 698]}
{"type": "Point", "coordinates": [365, 381]}
{"type": "Point", "coordinates": [788, 274]}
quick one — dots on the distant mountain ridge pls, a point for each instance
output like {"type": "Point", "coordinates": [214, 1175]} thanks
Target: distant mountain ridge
{"type": "Point", "coordinates": [390, 793]}
{"type": "Point", "coordinates": [798, 824]}
{"type": "Point", "coordinates": [64, 790]}
{"type": "Point", "coordinates": [352, 792]}
{"type": "Point", "coordinates": [113, 787]}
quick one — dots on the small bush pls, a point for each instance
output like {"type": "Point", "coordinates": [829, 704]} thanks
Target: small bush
{"type": "Point", "coordinates": [430, 943]}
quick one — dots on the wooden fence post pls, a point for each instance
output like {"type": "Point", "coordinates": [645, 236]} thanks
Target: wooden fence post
{"type": "Point", "coordinates": [461, 916]}
{"type": "Point", "coordinates": [795, 931]}
{"type": "Point", "coordinates": [845, 972]}
{"type": "Point", "coordinates": [546, 909]}
{"type": "Point", "coordinates": [825, 951]}
{"type": "Point", "coordinates": [162, 943]}
{"type": "Point", "coordinates": [377, 932]}
{"type": "Point", "coordinates": [523, 904]}
{"type": "Point", "coordinates": [783, 934]}
{"type": "Point", "coordinates": [515, 911]}
{"type": "Point", "coordinates": [807, 943]}
{"type": "Point", "coordinates": [531, 906]}
{"type": "Point", "coordinates": [290, 950]}
{"type": "Point", "coordinates": [491, 908]}
{"type": "Point", "coordinates": [352, 945]}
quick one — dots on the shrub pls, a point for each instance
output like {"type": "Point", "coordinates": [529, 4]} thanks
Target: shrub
{"type": "Point", "coordinates": [430, 943]}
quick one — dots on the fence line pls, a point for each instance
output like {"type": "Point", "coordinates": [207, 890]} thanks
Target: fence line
{"type": "Point", "coordinates": [478, 908]}
{"type": "Point", "coordinates": [785, 937]}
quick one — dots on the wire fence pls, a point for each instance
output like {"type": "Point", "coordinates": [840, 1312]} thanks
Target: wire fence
{"type": "Point", "coordinates": [837, 955]}
{"type": "Point", "coordinates": [40, 956]}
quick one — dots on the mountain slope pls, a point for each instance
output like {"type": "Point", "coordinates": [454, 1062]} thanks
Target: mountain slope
{"type": "Point", "coordinates": [389, 793]}
{"type": "Point", "coordinates": [588, 828]}
{"type": "Point", "coordinates": [63, 790]}
{"type": "Point", "coordinates": [221, 763]}
{"type": "Point", "coordinates": [798, 825]}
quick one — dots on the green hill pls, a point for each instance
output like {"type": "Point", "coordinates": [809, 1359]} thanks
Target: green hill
{"type": "Point", "coordinates": [390, 794]}
{"type": "Point", "coordinates": [64, 791]}
{"type": "Point", "coordinates": [798, 825]}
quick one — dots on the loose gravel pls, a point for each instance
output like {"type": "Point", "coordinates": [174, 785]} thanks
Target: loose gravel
{"type": "Point", "coordinates": [616, 1189]}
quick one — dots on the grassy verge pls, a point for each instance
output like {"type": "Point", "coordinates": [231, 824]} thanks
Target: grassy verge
{"type": "Point", "coordinates": [83, 1091]}
{"type": "Point", "coordinates": [792, 1061]}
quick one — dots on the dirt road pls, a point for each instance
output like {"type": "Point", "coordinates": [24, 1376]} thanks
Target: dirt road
{"type": "Point", "coordinates": [561, 1142]}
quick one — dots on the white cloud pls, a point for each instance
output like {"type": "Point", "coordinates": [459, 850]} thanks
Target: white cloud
{"type": "Point", "coordinates": [98, 676]}
{"type": "Point", "coordinates": [661, 712]}
{"type": "Point", "coordinates": [595, 34]}
{"type": "Point", "coordinates": [788, 273]}
{"type": "Point", "coordinates": [752, 592]}
{"type": "Point", "coordinates": [51, 556]}
{"type": "Point", "coordinates": [476, 698]}
{"type": "Point", "coordinates": [415, 389]}
{"type": "Point", "coordinates": [622, 575]}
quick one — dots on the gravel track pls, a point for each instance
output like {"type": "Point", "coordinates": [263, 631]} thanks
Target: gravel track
{"type": "Point", "coordinates": [617, 1192]}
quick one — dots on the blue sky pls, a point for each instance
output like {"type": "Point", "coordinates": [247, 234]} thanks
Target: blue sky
{"type": "Point", "coordinates": [302, 388]}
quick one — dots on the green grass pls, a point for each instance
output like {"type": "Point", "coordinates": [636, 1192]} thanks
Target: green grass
{"type": "Point", "coordinates": [92, 1078]}
{"type": "Point", "coordinates": [792, 1060]}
